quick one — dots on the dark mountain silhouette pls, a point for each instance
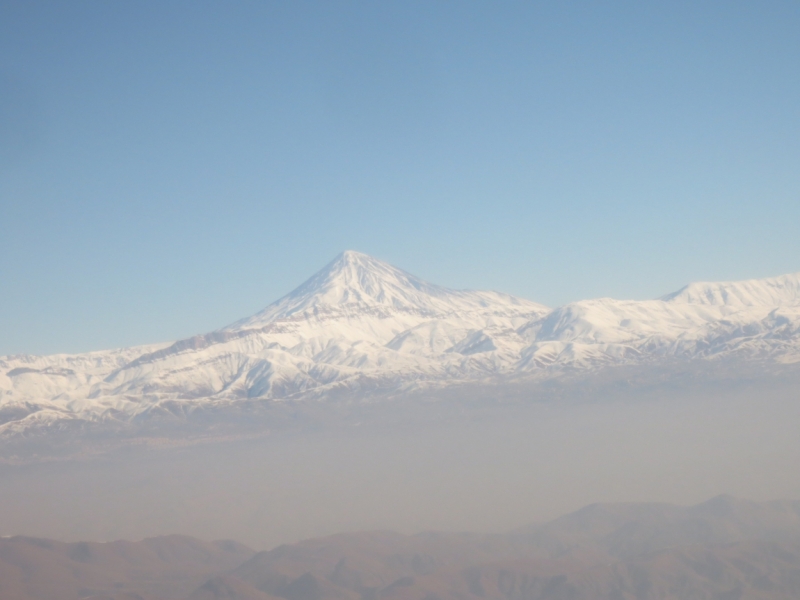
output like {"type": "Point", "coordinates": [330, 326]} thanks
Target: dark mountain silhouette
{"type": "Point", "coordinates": [723, 549]}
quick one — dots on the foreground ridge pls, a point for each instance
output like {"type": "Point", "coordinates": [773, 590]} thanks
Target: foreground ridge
{"type": "Point", "coordinates": [361, 327]}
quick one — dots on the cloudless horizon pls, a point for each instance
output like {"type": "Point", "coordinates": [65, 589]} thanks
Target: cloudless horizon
{"type": "Point", "coordinates": [168, 168]}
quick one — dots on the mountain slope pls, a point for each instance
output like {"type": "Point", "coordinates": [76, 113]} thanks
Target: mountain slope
{"type": "Point", "coordinates": [363, 326]}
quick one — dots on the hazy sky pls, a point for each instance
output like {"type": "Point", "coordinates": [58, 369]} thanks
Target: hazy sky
{"type": "Point", "coordinates": [169, 167]}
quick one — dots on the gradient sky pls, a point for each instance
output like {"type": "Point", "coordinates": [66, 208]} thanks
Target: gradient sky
{"type": "Point", "coordinates": [169, 167]}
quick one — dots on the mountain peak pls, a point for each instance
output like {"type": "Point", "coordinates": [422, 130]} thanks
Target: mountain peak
{"type": "Point", "coordinates": [771, 291]}
{"type": "Point", "coordinates": [354, 278]}
{"type": "Point", "coordinates": [353, 256]}
{"type": "Point", "coordinates": [354, 282]}
{"type": "Point", "coordinates": [356, 268]}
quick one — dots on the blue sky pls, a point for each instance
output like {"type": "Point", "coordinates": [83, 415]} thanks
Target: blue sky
{"type": "Point", "coordinates": [169, 167]}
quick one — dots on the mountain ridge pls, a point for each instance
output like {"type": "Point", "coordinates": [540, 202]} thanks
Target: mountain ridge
{"type": "Point", "coordinates": [783, 289]}
{"type": "Point", "coordinates": [722, 548]}
{"type": "Point", "coordinates": [362, 322]}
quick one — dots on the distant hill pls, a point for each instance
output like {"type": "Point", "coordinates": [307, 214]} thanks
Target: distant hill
{"type": "Point", "coordinates": [723, 549]}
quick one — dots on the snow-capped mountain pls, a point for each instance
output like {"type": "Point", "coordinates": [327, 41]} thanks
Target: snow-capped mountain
{"type": "Point", "coordinates": [361, 324]}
